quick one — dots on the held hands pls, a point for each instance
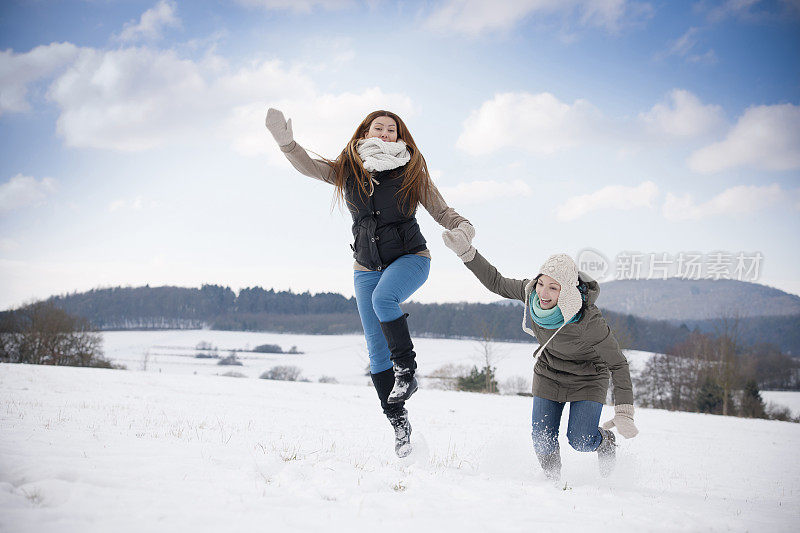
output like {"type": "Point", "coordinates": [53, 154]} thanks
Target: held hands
{"type": "Point", "coordinates": [279, 127]}
{"type": "Point", "coordinates": [623, 419]}
{"type": "Point", "coordinates": [460, 241]}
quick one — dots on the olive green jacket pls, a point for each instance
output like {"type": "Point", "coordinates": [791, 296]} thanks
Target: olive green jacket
{"type": "Point", "coordinates": [575, 365]}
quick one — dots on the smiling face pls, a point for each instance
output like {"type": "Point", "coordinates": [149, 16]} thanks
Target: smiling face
{"type": "Point", "coordinates": [385, 128]}
{"type": "Point", "coordinates": [548, 290]}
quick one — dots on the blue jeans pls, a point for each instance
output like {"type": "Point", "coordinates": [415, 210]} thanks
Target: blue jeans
{"type": "Point", "coordinates": [582, 429]}
{"type": "Point", "coordinates": [378, 295]}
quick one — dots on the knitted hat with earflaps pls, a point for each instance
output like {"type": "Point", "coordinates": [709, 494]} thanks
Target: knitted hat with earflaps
{"type": "Point", "coordinates": [563, 269]}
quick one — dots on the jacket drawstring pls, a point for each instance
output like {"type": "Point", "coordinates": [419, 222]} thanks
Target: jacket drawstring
{"type": "Point", "coordinates": [371, 186]}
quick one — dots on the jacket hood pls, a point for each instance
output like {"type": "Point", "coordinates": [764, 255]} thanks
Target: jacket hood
{"type": "Point", "coordinates": [594, 287]}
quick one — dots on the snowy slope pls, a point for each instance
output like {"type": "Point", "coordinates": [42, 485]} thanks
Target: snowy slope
{"type": "Point", "coordinates": [91, 450]}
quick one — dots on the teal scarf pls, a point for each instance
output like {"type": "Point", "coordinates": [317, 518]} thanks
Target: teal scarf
{"type": "Point", "coordinates": [548, 318]}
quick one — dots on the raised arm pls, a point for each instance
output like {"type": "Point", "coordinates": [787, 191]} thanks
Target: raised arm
{"type": "Point", "coordinates": [445, 215]}
{"type": "Point", "coordinates": [281, 130]}
{"type": "Point", "coordinates": [493, 280]}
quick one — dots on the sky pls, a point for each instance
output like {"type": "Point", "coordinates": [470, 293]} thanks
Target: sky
{"type": "Point", "coordinates": [645, 139]}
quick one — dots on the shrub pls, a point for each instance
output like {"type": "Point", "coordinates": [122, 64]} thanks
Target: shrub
{"type": "Point", "coordinates": [268, 348]}
{"type": "Point", "coordinates": [282, 373]}
{"type": "Point", "coordinates": [328, 379]}
{"type": "Point", "coordinates": [231, 360]}
{"type": "Point", "coordinates": [478, 380]}
{"type": "Point", "coordinates": [710, 397]}
{"type": "Point", "coordinates": [233, 374]}
{"type": "Point", "coordinates": [752, 405]}
{"type": "Point", "coordinates": [780, 412]}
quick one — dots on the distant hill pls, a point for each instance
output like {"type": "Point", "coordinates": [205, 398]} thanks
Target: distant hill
{"type": "Point", "coordinates": [648, 315]}
{"type": "Point", "coordinates": [680, 300]}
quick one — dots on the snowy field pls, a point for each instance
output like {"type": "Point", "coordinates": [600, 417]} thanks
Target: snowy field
{"type": "Point", "coordinates": [343, 357]}
{"type": "Point", "coordinates": [182, 448]}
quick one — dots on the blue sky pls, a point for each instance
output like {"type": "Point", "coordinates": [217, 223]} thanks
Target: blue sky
{"type": "Point", "coordinates": [134, 149]}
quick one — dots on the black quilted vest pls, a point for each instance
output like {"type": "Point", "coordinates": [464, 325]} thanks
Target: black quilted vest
{"type": "Point", "coordinates": [381, 231]}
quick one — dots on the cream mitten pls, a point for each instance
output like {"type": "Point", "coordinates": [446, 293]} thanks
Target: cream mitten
{"type": "Point", "coordinates": [623, 419]}
{"type": "Point", "coordinates": [279, 127]}
{"type": "Point", "coordinates": [460, 241]}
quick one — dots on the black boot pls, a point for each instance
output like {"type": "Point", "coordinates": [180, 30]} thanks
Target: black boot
{"type": "Point", "coordinates": [402, 433]}
{"type": "Point", "coordinates": [607, 452]}
{"type": "Point", "coordinates": [384, 383]}
{"type": "Point", "coordinates": [551, 464]}
{"type": "Point", "coordinates": [403, 357]}
{"type": "Point", "coordinates": [395, 412]}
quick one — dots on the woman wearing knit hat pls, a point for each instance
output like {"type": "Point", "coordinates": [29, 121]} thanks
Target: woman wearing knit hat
{"type": "Point", "coordinates": [382, 177]}
{"type": "Point", "coordinates": [577, 353]}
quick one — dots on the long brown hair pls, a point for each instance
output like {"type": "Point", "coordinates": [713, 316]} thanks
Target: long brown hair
{"type": "Point", "coordinates": [415, 186]}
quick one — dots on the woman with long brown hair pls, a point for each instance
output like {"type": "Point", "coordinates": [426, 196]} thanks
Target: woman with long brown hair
{"type": "Point", "coordinates": [382, 177]}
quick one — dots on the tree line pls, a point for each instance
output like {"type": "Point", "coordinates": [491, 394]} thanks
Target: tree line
{"type": "Point", "coordinates": [718, 374]}
{"type": "Point", "coordinates": [258, 309]}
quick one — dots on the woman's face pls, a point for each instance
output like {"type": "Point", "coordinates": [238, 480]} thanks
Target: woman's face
{"type": "Point", "coordinates": [385, 128]}
{"type": "Point", "coordinates": [548, 290]}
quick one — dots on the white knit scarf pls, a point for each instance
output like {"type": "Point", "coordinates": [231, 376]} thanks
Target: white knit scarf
{"type": "Point", "coordinates": [379, 155]}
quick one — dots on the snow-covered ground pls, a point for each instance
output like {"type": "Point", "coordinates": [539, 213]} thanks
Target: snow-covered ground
{"type": "Point", "coordinates": [91, 450]}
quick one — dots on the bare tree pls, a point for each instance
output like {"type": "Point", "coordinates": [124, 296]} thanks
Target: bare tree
{"type": "Point", "coordinates": [727, 358]}
{"type": "Point", "coordinates": [43, 334]}
{"type": "Point", "coordinates": [489, 355]}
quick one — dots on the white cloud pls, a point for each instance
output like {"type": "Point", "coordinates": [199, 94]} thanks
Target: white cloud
{"type": "Point", "coordinates": [136, 204]}
{"type": "Point", "coordinates": [684, 115]}
{"type": "Point", "coordinates": [135, 99]}
{"type": "Point", "coordinates": [764, 138]}
{"type": "Point", "coordinates": [18, 71]}
{"type": "Point", "coordinates": [707, 58]}
{"type": "Point", "coordinates": [23, 191]}
{"type": "Point", "coordinates": [732, 8]}
{"type": "Point", "coordinates": [617, 197]}
{"type": "Point", "coordinates": [8, 245]}
{"type": "Point", "coordinates": [534, 123]}
{"type": "Point", "coordinates": [685, 46]}
{"type": "Point", "coordinates": [473, 17]}
{"type": "Point", "coordinates": [302, 6]}
{"type": "Point", "coordinates": [129, 99]}
{"type": "Point", "coordinates": [151, 23]}
{"type": "Point", "coordinates": [738, 200]}
{"type": "Point", "coordinates": [477, 192]}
